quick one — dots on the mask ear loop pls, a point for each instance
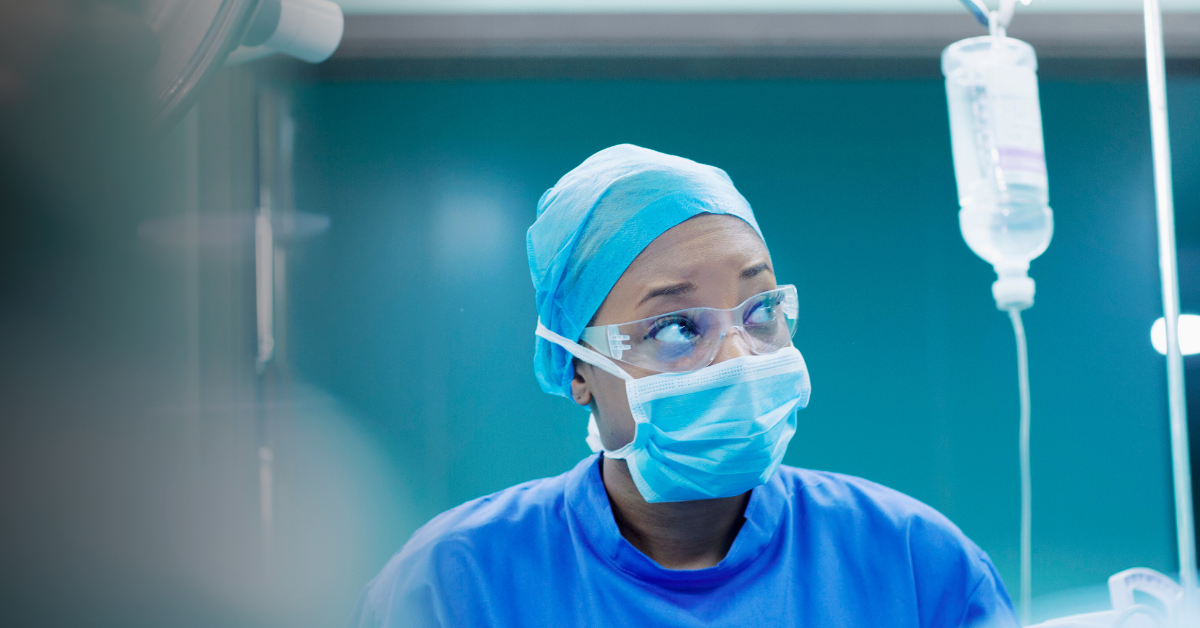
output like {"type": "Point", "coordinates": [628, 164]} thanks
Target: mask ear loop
{"type": "Point", "coordinates": [597, 360]}
{"type": "Point", "coordinates": [593, 437]}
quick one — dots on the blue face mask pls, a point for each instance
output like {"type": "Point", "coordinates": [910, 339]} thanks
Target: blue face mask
{"type": "Point", "coordinates": [715, 432]}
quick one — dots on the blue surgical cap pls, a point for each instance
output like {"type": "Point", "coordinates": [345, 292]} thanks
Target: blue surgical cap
{"type": "Point", "coordinates": [593, 223]}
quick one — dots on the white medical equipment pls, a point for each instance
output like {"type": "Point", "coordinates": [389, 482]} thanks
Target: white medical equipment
{"type": "Point", "coordinates": [309, 30]}
{"type": "Point", "coordinates": [199, 37]}
{"type": "Point", "coordinates": [1126, 611]}
{"type": "Point", "coordinates": [1000, 168]}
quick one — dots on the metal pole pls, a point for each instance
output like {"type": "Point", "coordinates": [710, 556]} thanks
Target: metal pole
{"type": "Point", "coordinates": [1177, 403]}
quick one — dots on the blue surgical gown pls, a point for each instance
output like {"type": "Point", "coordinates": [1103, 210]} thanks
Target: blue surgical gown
{"type": "Point", "coordinates": [816, 550]}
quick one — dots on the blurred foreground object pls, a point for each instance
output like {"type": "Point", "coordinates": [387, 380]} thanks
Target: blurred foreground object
{"type": "Point", "coordinates": [72, 111]}
{"type": "Point", "coordinates": [129, 405]}
{"type": "Point", "coordinates": [85, 86]}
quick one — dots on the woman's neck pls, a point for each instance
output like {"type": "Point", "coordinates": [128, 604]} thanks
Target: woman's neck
{"type": "Point", "coordinates": [676, 535]}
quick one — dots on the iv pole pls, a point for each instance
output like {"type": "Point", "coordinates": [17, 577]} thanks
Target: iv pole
{"type": "Point", "coordinates": [1177, 403]}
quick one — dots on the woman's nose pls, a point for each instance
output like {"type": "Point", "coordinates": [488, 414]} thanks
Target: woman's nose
{"type": "Point", "coordinates": [734, 345]}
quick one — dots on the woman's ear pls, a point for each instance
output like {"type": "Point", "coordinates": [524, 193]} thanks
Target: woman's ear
{"type": "Point", "coordinates": [581, 390]}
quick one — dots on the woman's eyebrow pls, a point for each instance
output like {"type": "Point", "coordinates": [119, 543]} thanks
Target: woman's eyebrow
{"type": "Point", "coordinates": [669, 291]}
{"type": "Point", "coordinates": [754, 271]}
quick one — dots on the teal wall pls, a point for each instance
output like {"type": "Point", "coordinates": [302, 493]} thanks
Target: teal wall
{"type": "Point", "coordinates": [416, 311]}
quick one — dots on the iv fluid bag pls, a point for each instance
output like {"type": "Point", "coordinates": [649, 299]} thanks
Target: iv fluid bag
{"type": "Point", "coordinates": [999, 161]}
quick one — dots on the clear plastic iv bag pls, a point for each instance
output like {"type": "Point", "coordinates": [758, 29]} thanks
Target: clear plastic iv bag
{"type": "Point", "coordinates": [999, 161]}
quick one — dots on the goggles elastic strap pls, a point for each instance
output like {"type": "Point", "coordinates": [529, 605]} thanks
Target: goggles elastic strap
{"type": "Point", "coordinates": [583, 353]}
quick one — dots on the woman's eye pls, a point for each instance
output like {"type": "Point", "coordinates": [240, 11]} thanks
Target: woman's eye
{"type": "Point", "coordinates": [672, 331]}
{"type": "Point", "coordinates": [762, 313]}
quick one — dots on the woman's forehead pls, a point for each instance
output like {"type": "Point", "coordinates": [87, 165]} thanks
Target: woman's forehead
{"type": "Point", "coordinates": [705, 261]}
{"type": "Point", "coordinates": [701, 244]}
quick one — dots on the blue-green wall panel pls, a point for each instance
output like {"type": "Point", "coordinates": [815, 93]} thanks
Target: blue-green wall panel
{"type": "Point", "coordinates": [416, 308]}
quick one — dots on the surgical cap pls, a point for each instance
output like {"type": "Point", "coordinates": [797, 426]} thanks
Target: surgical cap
{"type": "Point", "coordinates": [593, 223]}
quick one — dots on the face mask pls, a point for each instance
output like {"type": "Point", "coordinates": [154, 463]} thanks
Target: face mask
{"type": "Point", "coordinates": [715, 432]}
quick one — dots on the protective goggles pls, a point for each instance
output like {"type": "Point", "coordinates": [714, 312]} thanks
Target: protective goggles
{"type": "Point", "coordinates": [688, 340]}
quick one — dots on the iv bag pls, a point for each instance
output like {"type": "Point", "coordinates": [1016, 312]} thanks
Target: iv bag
{"type": "Point", "coordinates": [999, 160]}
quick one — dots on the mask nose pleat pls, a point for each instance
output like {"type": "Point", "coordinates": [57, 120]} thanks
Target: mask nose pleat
{"type": "Point", "coordinates": [732, 432]}
{"type": "Point", "coordinates": [719, 446]}
{"type": "Point", "coordinates": [725, 404]}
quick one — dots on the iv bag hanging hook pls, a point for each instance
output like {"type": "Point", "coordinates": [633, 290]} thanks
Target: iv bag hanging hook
{"type": "Point", "coordinates": [978, 9]}
{"type": "Point", "coordinates": [996, 21]}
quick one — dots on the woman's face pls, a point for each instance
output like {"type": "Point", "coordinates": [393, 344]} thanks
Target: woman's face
{"type": "Point", "coordinates": [710, 260]}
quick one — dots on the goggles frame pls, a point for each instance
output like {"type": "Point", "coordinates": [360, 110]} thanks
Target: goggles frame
{"type": "Point", "coordinates": [614, 341]}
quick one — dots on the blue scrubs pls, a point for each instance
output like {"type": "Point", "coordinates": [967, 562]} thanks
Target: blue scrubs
{"type": "Point", "coordinates": [817, 549]}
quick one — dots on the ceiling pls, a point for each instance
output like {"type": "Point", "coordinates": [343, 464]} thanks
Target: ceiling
{"type": "Point", "coordinates": [737, 6]}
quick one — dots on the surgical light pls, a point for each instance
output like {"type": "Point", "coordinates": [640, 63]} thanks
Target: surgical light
{"type": "Point", "coordinates": [309, 30]}
{"type": "Point", "coordinates": [199, 37]}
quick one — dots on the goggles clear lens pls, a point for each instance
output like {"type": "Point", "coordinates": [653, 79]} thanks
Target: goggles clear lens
{"type": "Point", "coordinates": [688, 340]}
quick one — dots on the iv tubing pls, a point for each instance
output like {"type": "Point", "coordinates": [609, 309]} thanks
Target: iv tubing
{"type": "Point", "coordinates": [1026, 482]}
{"type": "Point", "coordinates": [1165, 209]}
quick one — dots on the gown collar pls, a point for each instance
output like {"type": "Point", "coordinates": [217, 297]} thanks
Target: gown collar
{"type": "Point", "coordinates": [591, 517]}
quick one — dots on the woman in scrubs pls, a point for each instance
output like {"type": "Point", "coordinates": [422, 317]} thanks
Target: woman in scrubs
{"type": "Point", "coordinates": [660, 311]}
